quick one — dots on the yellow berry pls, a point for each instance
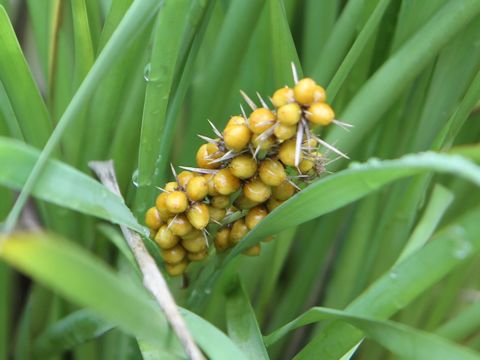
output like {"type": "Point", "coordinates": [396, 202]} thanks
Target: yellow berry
{"type": "Point", "coordinates": [197, 188]}
{"type": "Point", "coordinates": [198, 216]}
{"type": "Point", "coordinates": [206, 154]}
{"type": "Point", "coordinates": [216, 214]}
{"type": "Point", "coordinates": [211, 184]}
{"type": "Point", "coordinates": [193, 233]}
{"type": "Point", "coordinates": [173, 255]}
{"type": "Point", "coordinates": [179, 225]}
{"type": "Point", "coordinates": [307, 92]}
{"type": "Point", "coordinates": [221, 240]}
{"type": "Point", "coordinates": [286, 153]}
{"type": "Point", "coordinates": [289, 114]}
{"type": "Point", "coordinates": [283, 96]}
{"type": "Point", "coordinates": [152, 218]}
{"type": "Point", "coordinates": [177, 202]}
{"type": "Point", "coordinates": [236, 137]}
{"type": "Point", "coordinates": [243, 166]}
{"type": "Point", "coordinates": [195, 245]}
{"type": "Point", "coordinates": [272, 172]}
{"type": "Point", "coordinates": [253, 251]}
{"type": "Point", "coordinates": [257, 191]}
{"type": "Point", "coordinates": [260, 120]}
{"type": "Point", "coordinates": [285, 132]}
{"type": "Point", "coordinates": [283, 191]}
{"type": "Point", "coordinates": [236, 120]}
{"type": "Point", "coordinates": [321, 114]}
{"type": "Point", "coordinates": [184, 177]}
{"type": "Point", "coordinates": [305, 166]}
{"type": "Point", "coordinates": [244, 203]}
{"type": "Point", "coordinates": [197, 256]}
{"type": "Point", "coordinates": [225, 182]}
{"type": "Point", "coordinates": [272, 203]}
{"type": "Point", "coordinates": [238, 231]}
{"type": "Point", "coordinates": [171, 186]}
{"type": "Point", "coordinates": [165, 238]}
{"type": "Point", "coordinates": [161, 205]}
{"type": "Point", "coordinates": [319, 95]}
{"type": "Point", "coordinates": [264, 143]}
{"type": "Point", "coordinates": [177, 269]}
{"type": "Point", "coordinates": [254, 216]}
{"type": "Point", "coordinates": [310, 143]}
{"type": "Point", "coordinates": [220, 201]}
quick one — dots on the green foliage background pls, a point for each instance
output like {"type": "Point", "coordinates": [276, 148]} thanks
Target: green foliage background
{"type": "Point", "coordinates": [385, 250]}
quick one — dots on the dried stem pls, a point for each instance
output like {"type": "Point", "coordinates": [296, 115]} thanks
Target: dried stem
{"type": "Point", "coordinates": [152, 277]}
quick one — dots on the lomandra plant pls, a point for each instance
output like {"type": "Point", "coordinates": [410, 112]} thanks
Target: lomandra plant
{"type": "Point", "coordinates": [353, 180]}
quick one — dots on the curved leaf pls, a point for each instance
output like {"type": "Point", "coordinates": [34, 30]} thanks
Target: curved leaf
{"type": "Point", "coordinates": [242, 324]}
{"type": "Point", "coordinates": [214, 342]}
{"type": "Point", "coordinates": [20, 87]}
{"type": "Point", "coordinates": [167, 42]}
{"type": "Point", "coordinates": [74, 329]}
{"type": "Point", "coordinates": [62, 185]}
{"type": "Point", "coordinates": [73, 273]}
{"type": "Point", "coordinates": [135, 19]}
{"type": "Point", "coordinates": [396, 289]}
{"type": "Point", "coordinates": [386, 85]}
{"type": "Point", "coordinates": [400, 339]}
{"type": "Point", "coordinates": [83, 325]}
{"type": "Point", "coordinates": [349, 185]}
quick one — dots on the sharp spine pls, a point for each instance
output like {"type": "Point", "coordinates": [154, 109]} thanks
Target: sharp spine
{"type": "Point", "coordinates": [294, 72]}
{"type": "Point", "coordinates": [264, 104]}
{"type": "Point", "coordinates": [328, 146]}
{"type": "Point", "coordinates": [215, 130]}
{"type": "Point", "coordinates": [249, 101]}
{"type": "Point", "coordinates": [199, 170]}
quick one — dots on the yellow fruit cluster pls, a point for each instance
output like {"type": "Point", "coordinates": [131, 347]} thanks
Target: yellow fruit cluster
{"type": "Point", "coordinates": [251, 167]}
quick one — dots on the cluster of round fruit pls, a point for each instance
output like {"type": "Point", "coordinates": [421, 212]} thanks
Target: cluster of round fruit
{"type": "Point", "coordinates": [251, 167]}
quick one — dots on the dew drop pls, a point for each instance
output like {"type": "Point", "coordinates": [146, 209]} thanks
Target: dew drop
{"type": "Point", "coordinates": [146, 232]}
{"type": "Point", "coordinates": [461, 246]}
{"type": "Point", "coordinates": [399, 303]}
{"type": "Point", "coordinates": [393, 275]}
{"type": "Point", "coordinates": [146, 72]}
{"type": "Point", "coordinates": [374, 162]}
{"type": "Point", "coordinates": [135, 178]}
{"type": "Point", "coordinates": [355, 165]}
{"type": "Point", "coordinates": [462, 249]}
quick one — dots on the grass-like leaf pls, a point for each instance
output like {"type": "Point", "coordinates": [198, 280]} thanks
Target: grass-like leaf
{"type": "Point", "coordinates": [88, 282]}
{"type": "Point", "coordinates": [62, 185]}
{"type": "Point", "coordinates": [160, 74]}
{"type": "Point", "coordinates": [69, 332]}
{"type": "Point", "coordinates": [351, 184]}
{"type": "Point", "coordinates": [204, 332]}
{"type": "Point", "coordinates": [401, 340]}
{"type": "Point", "coordinates": [132, 23]}
{"type": "Point", "coordinates": [21, 88]}
{"type": "Point", "coordinates": [384, 87]}
{"type": "Point", "coordinates": [462, 325]}
{"type": "Point", "coordinates": [439, 202]}
{"type": "Point", "coordinates": [398, 287]}
{"type": "Point", "coordinates": [283, 46]}
{"type": "Point", "coordinates": [337, 44]}
{"type": "Point", "coordinates": [343, 188]}
{"type": "Point", "coordinates": [241, 323]}
{"type": "Point", "coordinates": [357, 48]}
